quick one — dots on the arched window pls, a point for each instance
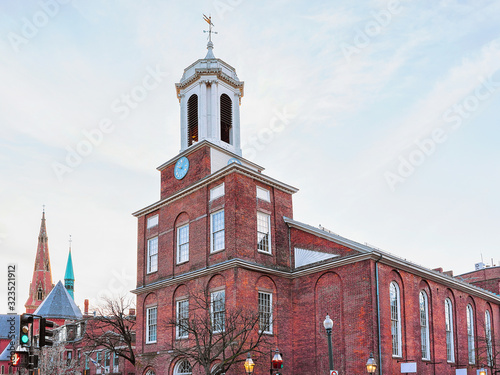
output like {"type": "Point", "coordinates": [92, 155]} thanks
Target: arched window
{"type": "Point", "coordinates": [226, 118]}
{"type": "Point", "coordinates": [424, 325]}
{"type": "Point", "coordinates": [150, 372]}
{"type": "Point", "coordinates": [470, 335]}
{"type": "Point", "coordinates": [450, 342]}
{"type": "Point", "coordinates": [183, 368]}
{"type": "Point", "coordinates": [395, 319]}
{"type": "Point", "coordinates": [39, 294]}
{"type": "Point", "coordinates": [192, 119]}
{"type": "Point", "coordinates": [489, 343]}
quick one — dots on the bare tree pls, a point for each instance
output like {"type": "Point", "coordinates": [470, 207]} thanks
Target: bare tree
{"type": "Point", "coordinates": [112, 328]}
{"type": "Point", "coordinates": [214, 337]}
{"type": "Point", "coordinates": [54, 361]}
{"type": "Point", "coordinates": [488, 349]}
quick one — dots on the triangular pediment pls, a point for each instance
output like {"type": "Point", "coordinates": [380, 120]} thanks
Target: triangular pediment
{"type": "Point", "coordinates": [304, 257]}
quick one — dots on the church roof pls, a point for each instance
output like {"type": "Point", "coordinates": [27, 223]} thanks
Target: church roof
{"type": "Point", "coordinates": [59, 305]}
{"type": "Point", "coordinates": [69, 268]}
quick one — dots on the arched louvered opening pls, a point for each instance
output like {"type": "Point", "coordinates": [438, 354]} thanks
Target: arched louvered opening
{"type": "Point", "coordinates": [226, 118]}
{"type": "Point", "coordinates": [192, 117]}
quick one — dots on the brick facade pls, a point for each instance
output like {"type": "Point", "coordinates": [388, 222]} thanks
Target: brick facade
{"type": "Point", "coordinates": [344, 286]}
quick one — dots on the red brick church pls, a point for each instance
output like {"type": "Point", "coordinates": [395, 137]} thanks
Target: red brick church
{"type": "Point", "coordinates": [223, 224]}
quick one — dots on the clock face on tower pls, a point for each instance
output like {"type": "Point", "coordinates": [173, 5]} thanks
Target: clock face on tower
{"type": "Point", "coordinates": [181, 168]}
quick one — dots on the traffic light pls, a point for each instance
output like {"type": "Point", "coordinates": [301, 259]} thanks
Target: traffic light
{"type": "Point", "coordinates": [24, 331]}
{"type": "Point", "coordinates": [19, 359]}
{"type": "Point", "coordinates": [45, 334]}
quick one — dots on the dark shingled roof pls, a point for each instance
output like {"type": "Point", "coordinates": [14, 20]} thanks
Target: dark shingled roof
{"type": "Point", "coordinates": [59, 305]}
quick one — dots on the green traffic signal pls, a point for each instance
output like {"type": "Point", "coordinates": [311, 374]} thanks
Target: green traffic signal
{"type": "Point", "coordinates": [24, 334]}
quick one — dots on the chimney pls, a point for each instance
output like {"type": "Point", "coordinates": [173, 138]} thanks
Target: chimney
{"type": "Point", "coordinates": [86, 308]}
{"type": "Point", "coordinates": [131, 312]}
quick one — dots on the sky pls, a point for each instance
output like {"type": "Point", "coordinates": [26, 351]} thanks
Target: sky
{"type": "Point", "coordinates": [385, 114]}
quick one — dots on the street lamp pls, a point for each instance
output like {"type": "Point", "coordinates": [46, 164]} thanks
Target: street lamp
{"type": "Point", "coordinates": [249, 364]}
{"type": "Point", "coordinates": [328, 324]}
{"type": "Point", "coordinates": [482, 372]}
{"type": "Point", "coordinates": [371, 365]}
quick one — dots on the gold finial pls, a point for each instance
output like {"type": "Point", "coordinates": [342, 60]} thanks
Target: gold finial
{"type": "Point", "coordinates": [210, 24]}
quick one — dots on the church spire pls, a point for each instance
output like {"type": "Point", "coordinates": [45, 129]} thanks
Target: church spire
{"type": "Point", "coordinates": [69, 277]}
{"type": "Point", "coordinates": [41, 282]}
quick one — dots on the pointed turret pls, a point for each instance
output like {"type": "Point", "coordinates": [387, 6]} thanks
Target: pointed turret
{"type": "Point", "coordinates": [41, 282]}
{"type": "Point", "coordinates": [69, 277]}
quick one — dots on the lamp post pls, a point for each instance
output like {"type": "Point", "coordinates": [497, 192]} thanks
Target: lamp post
{"type": "Point", "coordinates": [249, 365]}
{"type": "Point", "coordinates": [371, 365]}
{"type": "Point", "coordinates": [482, 372]}
{"type": "Point", "coordinates": [328, 324]}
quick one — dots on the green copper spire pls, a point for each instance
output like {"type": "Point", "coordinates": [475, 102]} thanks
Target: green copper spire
{"type": "Point", "coordinates": [69, 277]}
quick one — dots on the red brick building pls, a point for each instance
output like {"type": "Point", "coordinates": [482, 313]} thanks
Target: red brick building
{"type": "Point", "coordinates": [222, 223]}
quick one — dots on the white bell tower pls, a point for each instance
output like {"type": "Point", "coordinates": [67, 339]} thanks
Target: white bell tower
{"type": "Point", "coordinates": [210, 95]}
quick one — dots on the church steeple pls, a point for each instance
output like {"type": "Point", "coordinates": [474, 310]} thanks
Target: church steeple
{"type": "Point", "coordinates": [69, 277]}
{"type": "Point", "coordinates": [41, 282]}
{"type": "Point", "coordinates": [210, 93]}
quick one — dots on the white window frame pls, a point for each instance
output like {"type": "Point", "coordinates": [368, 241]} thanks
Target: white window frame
{"type": "Point", "coordinates": [217, 192]}
{"type": "Point", "coordinates": [218, 310]}
{"type": "Point", "coordinates": [151, 324]}
{"type": "Point", "coordinates": [152, 221]}
{"type": "Point", "coordinates": [424, 325]}
{"type": "Point", "coordinates": [265, 303]}
{"type": "Point", "coordinates": [182, 244]}
{"type": "Point", "coordinates": [489, 338]}
{"type": "Point", "coordinates": [217, 233]}
{"type": "Point", "coordinates": [98, 359]}
{"type": "Point", "coordinates": [182, 309]}
{"type": "Point", "coordinates": [152, 255]}
{"type": "Point", "coordinates": [450, 338]}
{"type": "Point", "coordinates": [471, 347]}
{"type": "Point", "coordinates": [262, 217]}
{"type": "Point", "coordinates": [178, 369]}
{"type": "Point", "coordinates": [116, 362]}
{"type": "Point", "coordinates": [395, 311]}
{"type": "Point", "coordinates": [263, 194]}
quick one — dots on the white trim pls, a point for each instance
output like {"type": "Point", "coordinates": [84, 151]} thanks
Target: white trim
{"type": "Point", "coordinates": [270, 312]}
{"type": "Point", "coordinates": [217, 192]}
{"type": "Point", "coordinates": [179, 244]}
{"type": "Point", "coordinates": [263, 215]}
{"type": "Point", "coordinates": [264, 195]}
{"type": "Point", "coordinates": [223, 231]}
{"type": "Point", "coordinates": [152, 221]}
{"type": "Point", "coordinates": [151, 324]}
{"type": "Point", "coordinates": [151, 266]}
{"type": "Point", "coordinates": [425, 346]}
{"type": "Point", "coordinates": [450, 346]}
{"type": "Point", "coordinates": [178, 316]}
{"type": "Point", "coordinates": [398, 350]}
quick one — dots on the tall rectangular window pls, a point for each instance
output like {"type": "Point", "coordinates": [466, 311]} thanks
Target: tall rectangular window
{"type": "Point", "coordinates": [217, 192]}
{"type": "Point", "coordinates": [266, 312]}
{"type": "Point", "coordinates": [107, 359]}
{"type": "Point", "coordinates": [151, 322]}
{"type": "Point", "coordinates": [470, 335]}
{"type": "Point", "coordinates": [218, 310]}
{"type": "Point", "coordinates": [116, 362]}
{"type": "Point", "coordinates": [217, 233]}
{"type": "Point", "coordinates": [183, 244]}
{"type": "Point", "coordinates": [152, 221]}
{"type": "Point", "coordinates": [395, 320]}
{"type": "Point", "coordinates": [448, 312]}
{"type": "Point", "coordinates": [489, 339]}
{"type": "Point", "coordinates": [263, 232]}
{"type": "Point", "coordinates": [424, 325]}
{"type": "Point", "coordinates": [182, 318]}
{"type": "Point", "coordinates": [152, 261]}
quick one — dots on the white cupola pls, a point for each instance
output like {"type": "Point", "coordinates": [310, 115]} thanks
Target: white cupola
{"type": "Point", "coordinates": [210, 94]}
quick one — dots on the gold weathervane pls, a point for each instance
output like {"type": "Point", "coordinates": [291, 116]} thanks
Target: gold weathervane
{"type": "Point", "coordinates": [210, 24]}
